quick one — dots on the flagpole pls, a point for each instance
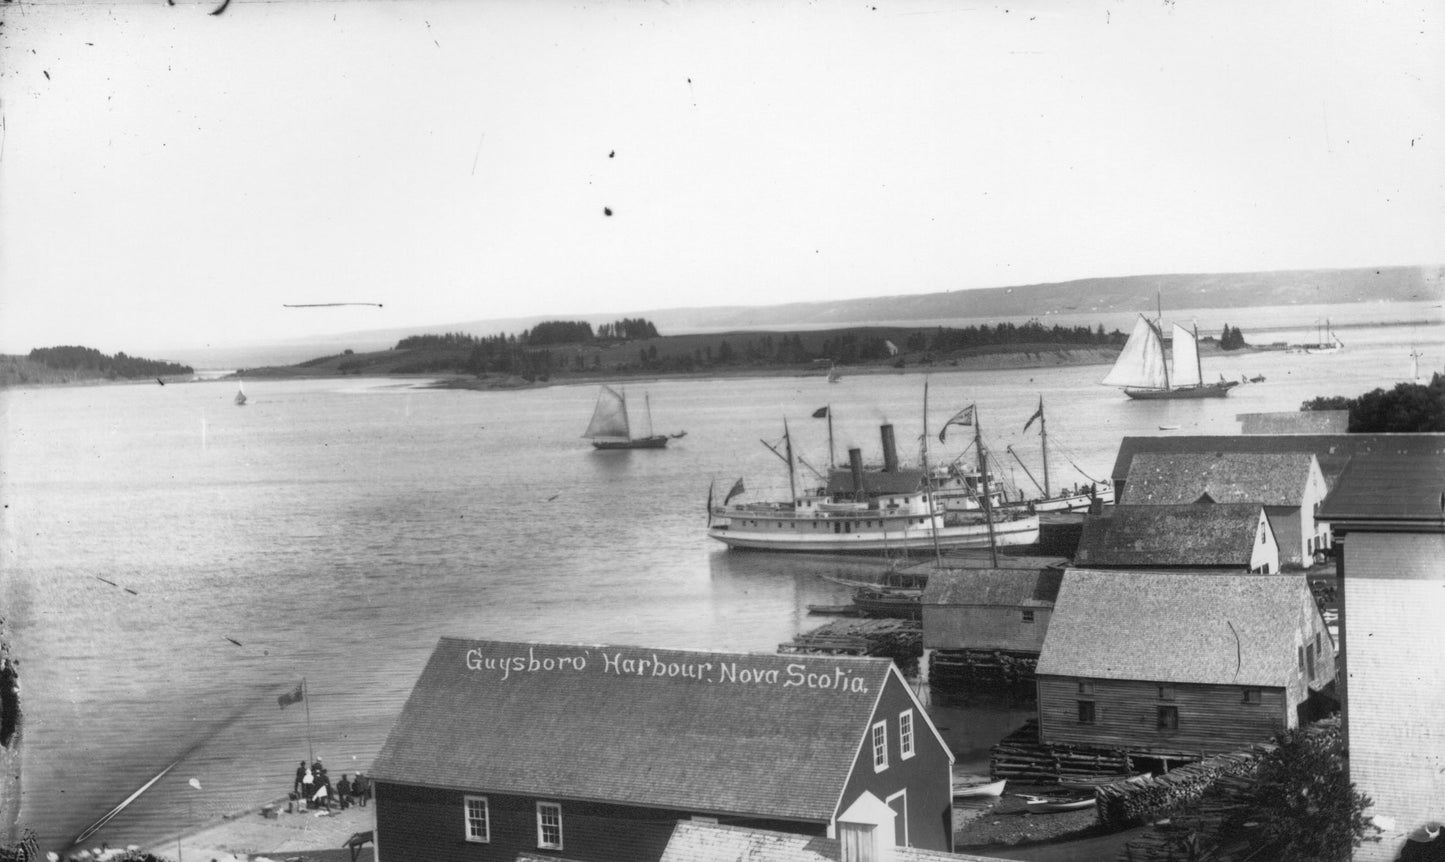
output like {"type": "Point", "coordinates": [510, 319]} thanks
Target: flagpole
{"type": "Point", "coordinates": [832, 463]}
{"type": "Point", "coordinates": [306, 699]}
{"type": "Point", "coordinates": [792, 479]}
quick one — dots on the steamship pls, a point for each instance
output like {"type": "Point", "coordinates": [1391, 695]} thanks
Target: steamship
{"type": "Point", "coordinates": [893, 510]}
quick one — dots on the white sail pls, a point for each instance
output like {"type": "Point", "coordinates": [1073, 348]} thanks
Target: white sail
{"type": "Point", "coordinates": [609, 418]}
{"type": "Point", "coordinates": [1141, 363]}
{"type": "Point", "coordinates": [1186, 358]}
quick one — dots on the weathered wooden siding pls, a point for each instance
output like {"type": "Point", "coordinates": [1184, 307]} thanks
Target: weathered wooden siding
{"type": "Point", "coordinates": [1266, 548]}
{"type": "Point", "coordinates": [985, 628]}
{"type": "Point", "coordinates": [1290, 532]}
{"type": "Point", "coordinates": [1394, 600]}
{"type": "Point", "coordinates": [927, 775]}
{"type": "Point", "coordinates": [423, 823]}
{"type": "Point", "coordinates": [1212, 719]}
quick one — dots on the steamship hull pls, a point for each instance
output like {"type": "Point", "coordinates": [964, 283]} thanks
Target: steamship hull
{"type": "Point", "coordinates": [817, 535]}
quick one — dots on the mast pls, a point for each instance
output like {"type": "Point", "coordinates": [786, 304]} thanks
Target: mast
{"type": "Point", "coordinates": [983, 478]}
{"type": "Point", "coordinates": [933, 514]}
{"type": "Point", "coordinates": [647, 400]}
{"type": "Point", "coordinates": [1198, 363]}
{"type": "Point", "coordinates": [792, 478]}
{"type": "Point", "coordinates": [1159, 333]}
{"type": "Point", "coordinates": [1044, 438]}
{"type": "Point", "coordinates": [831, 462]}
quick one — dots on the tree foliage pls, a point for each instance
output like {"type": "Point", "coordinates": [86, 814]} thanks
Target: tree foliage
{"type": "Point", "coordinates": [1231, 339]}
{"type": "Point", "coordinates": [1303, 807]}
{"type": "Point", "coordinates": [627, 329]}
{"type": "Point", "coordinates": [558, 332]}
{"type": "Point", "coordinates": [1408, 408]}
{"type": "Point", "coordinates": [92, 361]}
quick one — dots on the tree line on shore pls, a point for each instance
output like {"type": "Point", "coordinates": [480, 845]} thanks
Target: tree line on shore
{"type": "Point", "coordinates": [68, 363]}
{"type": "Point", "coordinates": [1408, 408]}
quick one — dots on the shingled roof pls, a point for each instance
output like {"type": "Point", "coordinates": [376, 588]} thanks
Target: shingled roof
{"type": "Point", "coordinates": [1222, 534]}
{"type": "Point", "coordinates": [1389, 488]}
{"type": "Point", "coordinates": [1178, 627]}
{"type": "Point", "coordinates": [694, 841]}
{"type": "Point", "coordinates": [706, 732]}
{"type": "Point", "coordinates": [1333, 451]}
{"type": "Point", "coordinates": [1270, 479]}
{"type": "Point", "coordinates": [1013, 588]}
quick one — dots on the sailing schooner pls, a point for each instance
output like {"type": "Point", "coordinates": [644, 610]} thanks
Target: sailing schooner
{"type": "Point", "coordinates": [611, 429]}
{"type": "Point", "coordinates": [1145, 374]}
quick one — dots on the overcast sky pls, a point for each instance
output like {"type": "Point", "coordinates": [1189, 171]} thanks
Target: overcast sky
{"type": "Point", "coordinates": [173, 178]}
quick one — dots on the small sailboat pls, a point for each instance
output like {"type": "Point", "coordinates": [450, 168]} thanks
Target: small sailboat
{"type": "Point", "coordinates": [1325, 341]}
{"type": "Point", "coordinates": [611, 428]}
{"type": "Point", "coordinates": [240, 394]}
{"type": "Point", "coordinates": [835, 374]}
{"type": "Point", "coordinates": [1145, 374]}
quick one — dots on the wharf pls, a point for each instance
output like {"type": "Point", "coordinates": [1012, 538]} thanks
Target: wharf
{"type": "Point", "coordinates": [303, 835]}
{"type": "Point", "coordinates": [900, 640]}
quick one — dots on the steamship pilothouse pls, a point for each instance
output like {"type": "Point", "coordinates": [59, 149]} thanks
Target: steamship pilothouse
{"type": "Point", "coordinates": [872, 511]}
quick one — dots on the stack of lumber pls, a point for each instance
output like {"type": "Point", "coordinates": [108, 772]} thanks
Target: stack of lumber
{"type": "Point", "coordinates": [900, 640]}
{"type": "Point", "coordinates": [1022, 758]}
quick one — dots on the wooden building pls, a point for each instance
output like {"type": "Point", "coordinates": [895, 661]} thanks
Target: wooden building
{"type": "Point", "coordinates": [1289, 485]}
{"type": "Point", "coordinates": [1388, 516]}
{"type": "Point", "coordinates": [983, 628]}
{"type": "Point", "coordinates": [593, 753]}
{"type": "Point", "coordinates": [1295, 422]}
{"type": "Point", "coordinates": [1218, 536]}
{"type": "Point", "coordinates": [1167, 665]}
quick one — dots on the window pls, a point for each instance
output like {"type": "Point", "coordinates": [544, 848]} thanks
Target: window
{"type": "Point", "coordinates": [549, 826]}
{"type": "Point", "coordinates": [880, 746]}
{"type": "Point", "coordinates": [479, 826]}
{"type": "Point", "coordinates": [1086, 686]}
{"type": "Point", "coordinates": [1168, 718]}
{"type": "Point", "coordinates": [1317, 643]}
{"type": "Point", "coordinates": [1301, 658]}
{"type": "Point", "coordinates": [1166, 692]}
{"type": "Point", "coordinates": [905, 734]}
{"type": "Point", "coordinates": [1028, 615]}
{"type": "Point", "coordinates": [1086, 712]}
{"type": "Point", "coordinates": [1251, 695]}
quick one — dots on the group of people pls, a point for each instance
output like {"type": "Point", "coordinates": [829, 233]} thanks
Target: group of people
{"type": "Point", "coordinates": [313, 788]}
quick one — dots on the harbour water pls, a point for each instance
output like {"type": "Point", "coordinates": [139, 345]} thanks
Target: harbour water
{"type": "Point", "coordinates": [172, 563]}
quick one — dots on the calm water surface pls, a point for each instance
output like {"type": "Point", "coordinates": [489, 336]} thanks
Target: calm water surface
{"type": "Point", "coordinates": [172, 563]}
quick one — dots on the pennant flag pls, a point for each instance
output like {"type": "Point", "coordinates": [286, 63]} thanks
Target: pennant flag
{"type": "Point", "coordinates": [1038, 414]}
{"type": "Point", "coordinates": [820, 413]}
{"type": "Point", "coordinates": [290, 697]}
{"type": "Point", "coordinates": [737, 489]}
{"type": "Point", "coordinates": [962, 417]}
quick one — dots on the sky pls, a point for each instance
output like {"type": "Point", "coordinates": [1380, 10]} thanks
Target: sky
{"type": "Point", "coordinates": [172, 178]}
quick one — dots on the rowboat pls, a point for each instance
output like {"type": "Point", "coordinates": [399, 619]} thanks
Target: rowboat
{"type": "Point", "coordinates": [963, 790]}
{"type": "Point", "coordinates": [1051, 805]}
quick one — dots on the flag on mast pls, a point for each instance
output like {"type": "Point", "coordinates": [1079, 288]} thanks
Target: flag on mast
{"type": "Point", "coordinates": [962, 417]}
{"type": "Point", "coordinates": [820, 413]}
{"type": "Point", "coordinates": [736, 490]}
{"type": "Point", "coordinates": [296, 695]}
{"type": "Point", "coordinates": [1038, 414]}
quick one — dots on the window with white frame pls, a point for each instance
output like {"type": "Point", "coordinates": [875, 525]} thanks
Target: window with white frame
{"type": "Point", "coordinates": [880, 746]}
{"type": "Point", "coordinates": [479, 824]}
{"type": "Point", "coordinates": [549, 826]}
{"type": "Point", "coordinates": [905, 734]}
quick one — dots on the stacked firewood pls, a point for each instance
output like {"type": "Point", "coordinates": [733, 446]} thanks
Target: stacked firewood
{"type": "Point", "coordinates": [1148, 799]}
{"type": "Point", "coordinates": [900, 640]}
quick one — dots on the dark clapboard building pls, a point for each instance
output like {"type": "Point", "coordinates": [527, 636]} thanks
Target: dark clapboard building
{"type": "Point", "coordinates": [1224, 536]}
{"type": "Point", "coordinates": [594, 753]}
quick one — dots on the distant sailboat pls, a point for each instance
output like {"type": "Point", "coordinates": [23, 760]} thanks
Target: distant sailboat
{"type": "Point", "coordinates": [1145, 374]}
{"type": "Point", "coordinates": [610, 427]}
{"type": "Point", "coordinates": [834, 374]}
{"type": "Point", "coordinates": [1326, 341]}
{"type": "Point", "coordinates": [240, 394]}
{"type": "Point", "coordinates": [1415, 365]}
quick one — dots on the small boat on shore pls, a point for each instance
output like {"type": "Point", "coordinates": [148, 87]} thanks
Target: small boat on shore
{"type": "Point", "coordinates": [965, 790]}
{"type": "Point", "coordinates": [895, 603]}
{"type": "Point", "coordinates": [1055, 804]}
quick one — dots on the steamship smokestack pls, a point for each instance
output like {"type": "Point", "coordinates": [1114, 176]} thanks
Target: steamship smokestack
{"type": "Point", "coordinates": [890, 452]}
{"type": "Point", "coordinates": [855, 462]}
